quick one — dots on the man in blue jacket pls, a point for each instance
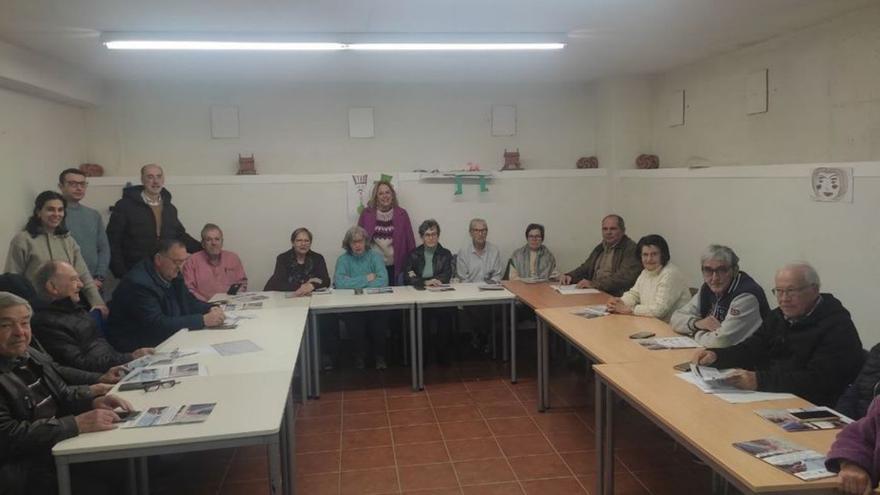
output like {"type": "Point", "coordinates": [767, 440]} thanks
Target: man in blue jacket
{"type": "Point", "coordinates": [152, 302]}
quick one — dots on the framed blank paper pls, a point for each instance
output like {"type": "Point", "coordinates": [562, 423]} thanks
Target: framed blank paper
{"type": "Point", "coordinates": [503, 120]}
{"type": "Point", "coordinates": [756, 92]}
{"type": "Point", "coordinates": [675, 109]}
{"type": "Point", "coordinates": [360, 122]}
{"type": "Point", "coordinates": [224, 122]}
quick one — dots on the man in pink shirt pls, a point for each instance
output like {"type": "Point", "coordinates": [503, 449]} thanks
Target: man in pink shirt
{"type": "Point", "coordinates": [213, 270]}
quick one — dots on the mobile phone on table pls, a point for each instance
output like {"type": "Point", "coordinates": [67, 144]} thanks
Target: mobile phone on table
{"type": "Point", "coordinates": [642, 335]}
{"type": "Point", "coordinates": [125, 415]}
{"type": "Point", "coordinates": [814, 415]}
{"type": "Point", "coordinates": [685, 366]}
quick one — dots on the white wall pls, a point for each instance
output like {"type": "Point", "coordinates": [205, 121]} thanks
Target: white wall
{"type": "Point", "coordinates": [38, 139]}
{"type": "Point", "coordinates": [258, 216]}
{"type": "Point", "coordinates": [304, 128]}
{"type": "Point", "coordinates": [824, 89]}
{"type": "Point", "coordinates": [765, 214]}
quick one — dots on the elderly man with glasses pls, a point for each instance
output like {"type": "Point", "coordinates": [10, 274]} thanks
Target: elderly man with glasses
{"type": "Point", "coordinates": [729, 306]}
{"type": "Point", "coordinates": [152, 302]}
{"type": "Point", "coordinates": [808, 346]}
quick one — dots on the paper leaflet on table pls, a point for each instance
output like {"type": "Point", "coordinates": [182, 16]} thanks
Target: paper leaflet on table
{"type": "Point", "coordinates": [171, 415]}
{"type": "Point", "coordinates": [662, 343]}
{"type": "Point", "coordinates": [158, 373]}
{"type": "Point", "coordinates": [439, 288]}
{"type": "Point", "coordinates": [593, 311]}
{"type": "Point", "coordinates": [805, 419]}
{"type": "Point", "coordinates": [729, 393]}
{"type": "Point", "coordinates": [799, 461]}
{"type": "Point", "coordinates": [160, 358]}
{"type": "Point", "coordinates": [572, 289]}
{"type": "Point", "coordinates": [234, 347]}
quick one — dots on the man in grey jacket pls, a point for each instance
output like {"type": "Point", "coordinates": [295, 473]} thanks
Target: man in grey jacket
{"type": "Point", "coordinates": [613, 266]}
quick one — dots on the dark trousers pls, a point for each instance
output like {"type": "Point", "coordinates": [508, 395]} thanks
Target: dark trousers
{"type": "Point", "coordinates": [368, 332]}
{"type": "Point", "coordinates": [36, 476]}
{"type": "Point", "coordinates": [437, 333]}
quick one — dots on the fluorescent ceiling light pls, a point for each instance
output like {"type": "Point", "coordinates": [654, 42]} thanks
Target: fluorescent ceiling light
{"type": "Point", "coordinates": [455, 46]}
{"type": "Point", "coordinates": [220, 45]}
{"type": "Point", "coordinates": [330, 42]}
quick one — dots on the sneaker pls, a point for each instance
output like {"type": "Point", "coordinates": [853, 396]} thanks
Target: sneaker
{"type": "Point", "coordinates": [380, 364]}
{"type": "Point", "coordinates": [327, 362]}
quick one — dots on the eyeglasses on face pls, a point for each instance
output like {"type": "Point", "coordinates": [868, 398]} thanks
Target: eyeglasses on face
{"type": "Point", "coordinates": [76, 183]}
{"type": "Point", "coordinates": [793, 291]}
{"type": "Point", "coordinates": [720, 271]}
{"type": "Point", "coordinates": [160, 384]}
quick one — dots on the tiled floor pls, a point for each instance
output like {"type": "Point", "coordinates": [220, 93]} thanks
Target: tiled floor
{"type": "Point", "coordinates": [469, 432]}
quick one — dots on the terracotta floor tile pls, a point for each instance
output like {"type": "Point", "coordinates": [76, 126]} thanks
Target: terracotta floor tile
{"type": "Point", "coordinates": [483, 385]}
{"type": "Point", "coordinates": [582, 463]}
{"type": "Point", "coordinates": [319, 409]}
{"type": "Point", "coordinates": [502, 410]}
{"type": "Point", "coordinates": [522, 445]}
{"type": "Point", "coordinates": [317, 443]}
{"type": "Point", "coordinates": [494, 395]}
{"type": "Point", "coordinates": [403, 390]}
{"type": "Point", "coordinates": [654, 458]}
{"type": "Point", "coordinates": [416, 434]}
{"type": "Point", "coordinates": [572, 441]}
{"type": "Point", "coordinates": [512, 426]}
{"type": "Point", "coordinates": [457, 413]}
{"type": "Point", "coordinates": [451, 399]}
{"type": "Point", "coordinates": [431, 476]}
{"type": "Point", "coordinates": [411, 417]}
{"type": "Point", "coordinates": [364, 393]}
{"type": "Point", "coordinates": [256, 487]}
{"type": "Point", "coordinates": [557, 423]}
{"type": "Point", "coordinates": [675, 481]}
{"type": "Point", "coordinates": [493, 489]}
{"type": "Point", "coordinates": [361, 439]}
{"type": "Point", "coordinates": [421, 453]}
{"type": "Point", "coordinates": [539, 466]}
{"type": "Point", "coordinates": [401, 403]}
{"type": "Point", "coordinates": [559, 486]}
{"type": "Point", "coordinates": [310, 426]}
{"type": "Point", "coordinates": [445, 388]}
{"type": "Point", "coordinates": [318, 484]}
{"type": "Point", "coordinates": [248, 469]}
{"type": "Point", "coordinates": [361, 406]}
{"type": "Point", "coordinates": [475, 448]}
{"type": "Point", "coordinates": [624, 484]}
{"type": "Point", "coordinates": [484, 471]}
{"type": "Point", "coordinates": [369, 482]}
{"type": "Point", "coordinates": [364, 421]}
{"type": "Point", "coordinates": [437, 491]}
{"type": "Point", "coordinates": [372, 458]}
{"type": "Point", "coordinates": [321, 462]}
{"type": "Point", "coordinates": [465, 429]}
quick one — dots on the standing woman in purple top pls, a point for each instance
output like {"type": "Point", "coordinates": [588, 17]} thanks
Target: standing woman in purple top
{"type": "Point", "coordinates": [390, 229]}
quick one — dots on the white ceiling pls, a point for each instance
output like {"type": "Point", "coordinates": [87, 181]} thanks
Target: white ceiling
{"type": "Point", "coordinates": [606, 37]}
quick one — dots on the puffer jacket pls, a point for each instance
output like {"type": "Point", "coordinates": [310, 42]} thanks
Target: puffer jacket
{"type": "Point", "coordinates": [415, 264]}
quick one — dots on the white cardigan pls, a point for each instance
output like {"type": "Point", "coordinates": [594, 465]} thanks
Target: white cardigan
{"type": "Point", "coordinates": [658, 293]}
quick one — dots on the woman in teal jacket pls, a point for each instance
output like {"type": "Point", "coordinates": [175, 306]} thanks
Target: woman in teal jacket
{"type": "Point", "coordinates": [358, 268]}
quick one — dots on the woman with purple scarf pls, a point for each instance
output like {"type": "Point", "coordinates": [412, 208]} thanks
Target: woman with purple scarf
{"type": "Point", "coordinates": [390, 229]}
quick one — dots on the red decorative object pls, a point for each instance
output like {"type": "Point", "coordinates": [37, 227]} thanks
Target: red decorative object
{"type": "Point", "coordinates": [648, 161]}
{"type": "Point", "coordinates": [246, 165]}
{"type": "Point", "coordinates": [588, 162]}
{"type": "Point", "coordinates": [92, 169]}
{"type": "Point", "coordinates": [511, 160]}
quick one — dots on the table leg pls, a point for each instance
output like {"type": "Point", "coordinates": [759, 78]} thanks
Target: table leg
{"type": "Point", "coordinates": [405, 339]}
{"type": "Point", "coordinates": [505, 351]}
{"type": "Point", "coordinates": [131, 476]}
{"type": "Point", "coordinates": [412, 349]}
{"type": "Point", "coordinates": [276, 481]}
{"type": "Point", "coordinates": [513, 341]}
{"type": "Point", "coordinates": [305, 373]}
{"type": "Point", "coordinates": [63, 473]}
{"type": "Point", "coordinates": [540, 370]}
{"type": "Point", "coordinates": [545, 362]}
{"type": "Point", "coordinates": [599, 408]}
{"type": "Point", "coordinates": [143, 476]}
{"type": "Point", "coordinates": [315, 358]}
{"type": "Point", "coordinates": [608, 453]}
{"type": "Point", "coordinates": [288, 440]}
{"type": "Point", "coordinates": [494, 337]}
{"type": "Point", "coordinates": [420, 351]}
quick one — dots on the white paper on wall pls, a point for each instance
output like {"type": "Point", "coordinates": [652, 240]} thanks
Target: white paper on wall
{"type": "Point", "coordinates": [832, 184]}
{"type": "Point", "coordinates": [360, 189]}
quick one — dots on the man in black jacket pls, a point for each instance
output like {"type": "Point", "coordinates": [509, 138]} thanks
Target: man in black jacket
{"type": "Point", "coordinates": [808, 346]}
{"type": "Point", "coordinates": [67, 332]}
{"type": "Point", "coordinates": [142, 218]}
{"type": "Point", "coordinates": [37, 408]}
